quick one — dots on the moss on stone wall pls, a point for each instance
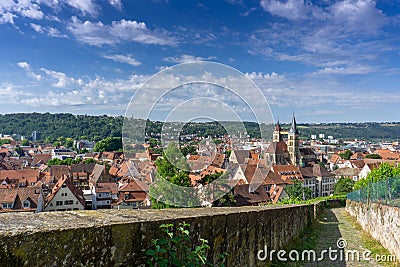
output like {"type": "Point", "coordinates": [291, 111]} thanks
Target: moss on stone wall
{"type": "Point", "coordinates": [120, 238]}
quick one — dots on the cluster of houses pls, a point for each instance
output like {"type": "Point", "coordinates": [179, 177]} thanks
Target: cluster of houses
{"type": "Point", "coordinates": [111, 180]}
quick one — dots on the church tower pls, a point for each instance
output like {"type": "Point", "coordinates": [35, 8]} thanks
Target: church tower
{"type": "Point", "coordinates": [277, 136]}
{"type": "Point", "coordinates": [293, 143]}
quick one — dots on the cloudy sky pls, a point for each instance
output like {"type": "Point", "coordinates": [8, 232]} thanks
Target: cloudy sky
{"type": "Point", "coordinates": [325, 60]}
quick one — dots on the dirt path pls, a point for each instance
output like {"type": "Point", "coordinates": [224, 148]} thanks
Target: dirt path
{"type": "Point", "coordinates": [334, 226]}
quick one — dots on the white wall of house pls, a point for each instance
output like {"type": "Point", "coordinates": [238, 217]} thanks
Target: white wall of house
{"type": "Point", "coordinates": [364, 171]}
{"type": "Point", "coordinates": [64, 200]}
{"type": "Point", "coordinates": [311, 183]}
{"type": "Point", "coordinates": [326, 186]}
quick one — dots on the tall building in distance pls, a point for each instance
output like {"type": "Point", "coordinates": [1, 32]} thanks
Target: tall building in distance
{"type": "Point", "coordinates": [277, 136]}
{"type": "Point", "coordinates": [293, 143]}
{"type": "Point", "coordinates": [35, 136]}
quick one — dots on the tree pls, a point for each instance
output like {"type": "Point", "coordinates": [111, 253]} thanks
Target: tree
{"type": "Point", "coordinates": [69, 142]}
{"type": "Point", "coordinates": [373, 156]}
{"type": "Point", "coordinates": [168, 177]}
{"type": "Point", "coordinates": [384, 171]}
{"type": "Point", "coordinates": [109, 144]}
{"type": "Point", "coordinates": [89, 161]}
{"type": "Point", "coordinates": [297, 192]}
{"type": "Point", "coordinates": [346, 155]}
{"type": "Point", "coordinates": [25, 142]}
{"type": "Point", "coordinates": [344, 185]}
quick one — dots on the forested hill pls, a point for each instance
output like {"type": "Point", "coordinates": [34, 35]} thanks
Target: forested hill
{"type": "Point", "coordinates": [53, 126]}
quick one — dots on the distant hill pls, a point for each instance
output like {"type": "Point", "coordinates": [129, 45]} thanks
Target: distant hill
{"type": "Point", "coordinates": [53, 126]}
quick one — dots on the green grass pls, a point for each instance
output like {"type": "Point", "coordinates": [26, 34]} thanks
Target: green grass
{"type": "Point", "coordinates": [371, 244]}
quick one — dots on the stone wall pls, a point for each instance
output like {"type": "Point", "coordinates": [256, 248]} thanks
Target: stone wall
{"type": "Point", "coordinates": [121, 237]}
{"type": "Point", "coordinates": [381, 221]}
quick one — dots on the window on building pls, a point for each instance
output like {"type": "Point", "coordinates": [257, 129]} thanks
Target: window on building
{"type": "Point", "coordinates": [6, 205]}
{"type": "Point", "coordinates": [26, 204]}
{"type": "Point", "coordinates": [59, 203]}
{"type": "Point", "coordinates": [126, 196]}
{"type": "Point", "coordinates": [68, 202]}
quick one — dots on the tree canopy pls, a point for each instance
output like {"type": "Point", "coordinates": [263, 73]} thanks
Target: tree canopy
{"type": "Point", "coordinates": [384, 171]}
{"type": "Point", "coordinates": [346, 155]}
{"type": "Point", "coordinates": [298, 192]}
{"type": "Point", "coordinates": [344, 185]}
{"type": "Point", "coordinates": [109, 144]}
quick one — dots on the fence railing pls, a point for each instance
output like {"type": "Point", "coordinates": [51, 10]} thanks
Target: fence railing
{"type": "Point", "coordinates": [385, 192]}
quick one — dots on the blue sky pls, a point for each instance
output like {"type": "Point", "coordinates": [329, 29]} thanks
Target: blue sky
{"type": "Point", "coordinates": [327, 61]}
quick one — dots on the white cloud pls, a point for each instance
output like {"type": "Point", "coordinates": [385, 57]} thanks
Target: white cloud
{"type": "Point", "coordinates": [116, 3]}
{"type": "Point", "coordinates": [24, 65]}
{"type": "Point", "coordinates": [61, 79]}
{"type": "Point", "coordinates": [353, 14]}
{"type": "Point", "coordinates": [7, 17]}
{"type": "Point", "coordinates": [32, 11]}
{"type": "Point", "coordinates": [50, 31]}
{"type": "Point", "coordinates": [186, 58]}
{"type": "Point", "coordinates": [346, 31]}
{"type": "Point", "coordinates": [27, 67]}
{"type": "Point", "coordinates": [128, 59]}
{"type": "Point", "coordinates": [346, 70]}
{"type": "Point", "coordinates": [98, 34]}
{"type": "Point", "coordinates": [292, 9]}
{"type": "Point", "coordinates": [85, 6]}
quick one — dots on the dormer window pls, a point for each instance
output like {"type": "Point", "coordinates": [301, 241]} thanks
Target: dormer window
{"type": "Point", "coordinates": [26, 204]}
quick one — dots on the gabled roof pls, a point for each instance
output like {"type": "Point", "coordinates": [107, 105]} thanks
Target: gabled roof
{"type": "Point", "coordinates": [307, 172]}
{"type": "Point", "coordinates": [373, 165]}
{"type": "Point", "coordinates": [320, 171]}
{"type": "Point", "coordinates": [107, 187]}
{"type": "Point", "coordinates": [244, 197]}
{"type": "Point", "coordinates": [335, 158]}
{"type": "Point", "coordinates": [58, 171]}
{"type": "Point", "coordinates": [357, 163]}
{"type": "Point", "coordinates": [273, 179]}
{"type": "Point", "coordinates": [277, 148]}
{"type": "Point", "coordinates": [41, 159]}
{"type": "Point", "coordinates": [134, 185]}
{"type": "Point", "coordinates": [82, 167]}
{"type": "Point", "coordinates": [218, 160]}
{"type": "Point", "coordinates": [357, 155]}
{"type": "Point", "coordinates": [346, 171]}
{"type": "Point", "coordinates": [10, 195]}
{"type": "Point", "coordinates": [241, 155]}
{"type": "Point", "coordinates": [78, 193]}
{"type": "Point", "coordinates": [288, 172]}
{"type": "Point", "coordinates": [98, 170]}
{"type": "Point", "coordinates": [20, 175]}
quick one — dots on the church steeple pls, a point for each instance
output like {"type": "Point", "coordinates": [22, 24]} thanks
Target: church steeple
{"type": "Point", "coordinates": [293, 143]}
{"type": "Point", "coordinates": [293, 128]}
{"type": "Point", "coordinates": [277, 136]}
